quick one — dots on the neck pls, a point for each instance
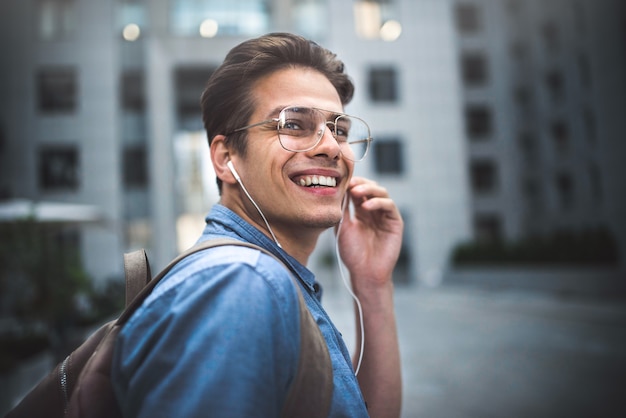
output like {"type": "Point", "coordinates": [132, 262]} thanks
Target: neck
{"type": "Point", "coordinates": [296, 240]}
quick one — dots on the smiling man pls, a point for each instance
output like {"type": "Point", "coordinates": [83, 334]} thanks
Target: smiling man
{"type": "Point", "coordinates": [220, 335]}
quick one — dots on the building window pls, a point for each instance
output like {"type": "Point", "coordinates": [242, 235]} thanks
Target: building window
{"type": "Point", "coordinates": [210, 18]}
{"type": "Point", "coordinates": [57, 19]}
{"type": "Point", "coordinates": [595, 180]}
{"type": "Point", "coordinates": [528, 147]}
{"type": "Point", "coordinates": [523, 97]}
{"type": "Point", "coordinates": [189, 83]}
{"type": "Point", "coordinates": [59, 168]}
{"type": "Point", "coordinates": [565, 190]}
{"type": "Point", "coordinates": [550, 34]}
{"type": "Point", "coordinates": [487, 227]}
{"type": "Point", "coordinates": [560, 136]}
{"type": "Point", "coordinates": [388, 156]}
{"type": "Point", "coordinates": [484, 176]}
{"type": "Point", "coordinates": [474, 69]}
{"type": "Point", "coordinates": [519, 51]}
{"type": "Point", "coordinates": [133, 91]}
{"type": "Point", "coordinates": [532, 193]}
{"type": "Point", "coordinates": [584, 69]}
{"type": "Point", "coordinates": [555, 85]}
{"type": "Point", "coordinates": [57, 90]}
{"type": "Point", "coordinates": [383, 84]}
{"type": "Point", "coordinates": [468, 18]}
{"type": "Point", "coordinates": [589, 123]}
{"type": "Point", "coordinates": [135, 170]}
{"type": "Point", "coordinates": [478, 121]}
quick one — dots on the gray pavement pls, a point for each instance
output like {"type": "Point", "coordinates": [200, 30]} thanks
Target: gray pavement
{"type": "Point", "coordinates": [470, 351]}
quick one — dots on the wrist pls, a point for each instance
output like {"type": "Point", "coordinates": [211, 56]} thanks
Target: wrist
{"type": "Point", "coordinates": [372, 288]}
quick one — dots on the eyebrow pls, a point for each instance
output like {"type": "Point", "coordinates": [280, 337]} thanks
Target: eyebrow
{"type": "Point", "coordinates": [276, 111]}
{"type": "Point", "coordinates": [273, 114]}
{"type": "Point", "coordinates": [334, 115]}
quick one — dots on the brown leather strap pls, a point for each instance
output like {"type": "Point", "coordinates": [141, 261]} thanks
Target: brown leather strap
{"type": "Point", "coordinates": [312, 388]}
{"type": "Point", "coordinates": [137, 272]}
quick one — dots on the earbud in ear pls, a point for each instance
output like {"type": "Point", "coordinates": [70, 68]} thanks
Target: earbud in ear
{"type": "Point", "coordinates": [231, 167]}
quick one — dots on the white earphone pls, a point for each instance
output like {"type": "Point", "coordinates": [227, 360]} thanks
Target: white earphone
{"type": "Point", "coordinates": [231, 167]}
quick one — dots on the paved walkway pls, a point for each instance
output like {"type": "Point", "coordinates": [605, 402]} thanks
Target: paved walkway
{"type": "Point", "coordinates": [473, 352]}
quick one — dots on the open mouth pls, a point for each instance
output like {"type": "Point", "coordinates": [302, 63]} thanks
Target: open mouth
{"type": "Point", "coordinates": [316, 181]}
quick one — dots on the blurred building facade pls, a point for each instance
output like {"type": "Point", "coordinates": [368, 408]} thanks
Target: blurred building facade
{"type": "Point", "coordinates": [491, 118]}
{"type": "Point", "coordinates": [544, 89]}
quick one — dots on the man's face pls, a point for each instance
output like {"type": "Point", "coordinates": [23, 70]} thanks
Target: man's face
{"type": "Point", "coordinates": [274, 176]}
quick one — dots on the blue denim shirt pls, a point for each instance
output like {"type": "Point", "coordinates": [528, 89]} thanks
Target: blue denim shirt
{"type": "Point", "coordinates": [219, 336]}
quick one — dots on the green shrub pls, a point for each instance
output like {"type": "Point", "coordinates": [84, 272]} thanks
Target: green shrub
{"type": "Point", "coordinates": [587, 247]}
{"type": "Point", "coordinates": [40, 273]}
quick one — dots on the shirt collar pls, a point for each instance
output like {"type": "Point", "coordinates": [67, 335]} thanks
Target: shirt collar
{"type": "Point", "coordinates": [222, 221]}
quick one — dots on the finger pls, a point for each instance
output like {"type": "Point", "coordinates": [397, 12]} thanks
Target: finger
{"type": "Point", "coordinates": [360, 181]}
{"type": "Point", "coordinates": [355, 180]}
{"type": "Point", "coordinates": [367, 191]}
{"type": "Point", "coordinates": [380, 204]}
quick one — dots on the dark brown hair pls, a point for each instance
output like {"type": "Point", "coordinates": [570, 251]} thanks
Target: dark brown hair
{"type": "Point", "coordinates": [227, 102]}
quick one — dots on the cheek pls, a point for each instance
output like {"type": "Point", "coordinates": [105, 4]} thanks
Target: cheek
{"type": "Point", "coordinates": [350, 167]}
{"type": "Point", "coordinates": [282, 160]}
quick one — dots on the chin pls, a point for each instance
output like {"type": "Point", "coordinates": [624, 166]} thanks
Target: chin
{"type": "Point", "coordinates": [327, 220]}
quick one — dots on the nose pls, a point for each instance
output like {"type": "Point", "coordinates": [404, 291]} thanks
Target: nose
{"type": "Point", "coordinates": [328, 145]}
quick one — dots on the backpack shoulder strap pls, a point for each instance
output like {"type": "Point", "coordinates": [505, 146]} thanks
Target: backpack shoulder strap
{"type": "Point", "coordinates": [137, 267]}
{"type": "Point", "coordinates": [311, 391]}
{"type": "Point", "coordinates": [137, 273]}
{"type": "Point", "coordinates": [139, 283]}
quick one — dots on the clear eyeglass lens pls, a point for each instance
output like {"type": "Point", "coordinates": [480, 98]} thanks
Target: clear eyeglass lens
{"type": "Point", "coordinates": [300, 129]}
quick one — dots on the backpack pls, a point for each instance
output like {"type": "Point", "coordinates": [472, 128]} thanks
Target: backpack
{"type": "Point", "coordinates": [80, 386]}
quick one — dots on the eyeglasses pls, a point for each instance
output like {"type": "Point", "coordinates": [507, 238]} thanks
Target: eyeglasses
{"type": "Point", "coordinates": [300, 129]}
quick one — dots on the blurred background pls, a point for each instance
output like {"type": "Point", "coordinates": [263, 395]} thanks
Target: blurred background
{"type": "Point", "coordinates": [498, 129]}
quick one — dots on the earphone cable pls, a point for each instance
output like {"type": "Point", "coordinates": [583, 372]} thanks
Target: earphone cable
{"type": "Point", "coordinates": [267, 224]}
{"type": "Point", "coordinates": [349, 289]}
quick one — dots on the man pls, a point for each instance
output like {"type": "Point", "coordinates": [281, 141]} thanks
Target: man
{"type": "Point", "coordinates": [219, 335]}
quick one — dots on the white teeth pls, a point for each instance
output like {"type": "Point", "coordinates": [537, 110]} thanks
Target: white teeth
{"type": "Point", "coordinates": [318, 180]}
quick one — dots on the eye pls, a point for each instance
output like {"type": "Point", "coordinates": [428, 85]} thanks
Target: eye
{"type": "Point", "coordinates": [342, 130]}
{"type": "Point", "coordinates": [292, 125]}
{"type": "Point", "coordinates": [295, 127]}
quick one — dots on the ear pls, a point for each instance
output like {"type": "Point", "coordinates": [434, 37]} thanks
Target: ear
{"type": "Point", "coordinates": [220, 155]}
